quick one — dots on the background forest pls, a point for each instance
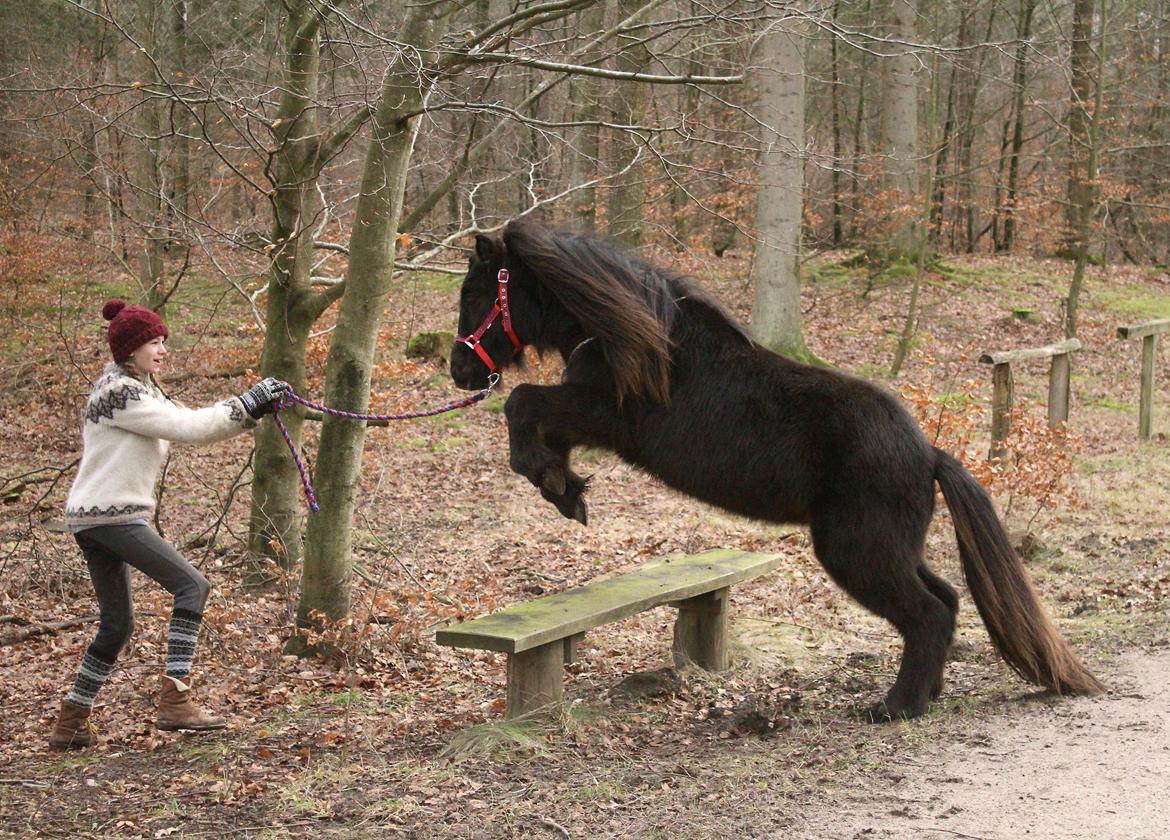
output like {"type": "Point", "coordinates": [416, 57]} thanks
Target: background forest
{"type": "Point", "coordinates": [888, 186]}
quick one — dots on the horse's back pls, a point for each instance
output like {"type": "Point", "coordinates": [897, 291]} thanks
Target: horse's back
{"type": "Point", "coordinates": [768, 437]}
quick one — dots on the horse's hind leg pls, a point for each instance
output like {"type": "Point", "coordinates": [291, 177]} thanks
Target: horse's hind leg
{"type": "Point", "coordinates": [881, 568]}
{"type": "Point", "coordinates": [946, 593]}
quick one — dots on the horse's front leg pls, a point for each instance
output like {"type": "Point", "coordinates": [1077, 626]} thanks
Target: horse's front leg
{"type": "Point", "coordinates": [544, 423]}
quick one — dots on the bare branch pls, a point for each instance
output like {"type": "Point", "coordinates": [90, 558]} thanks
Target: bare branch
{"type": "Point", "coordinates": [603, 73]}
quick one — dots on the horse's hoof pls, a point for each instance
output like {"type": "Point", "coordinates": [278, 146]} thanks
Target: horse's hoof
{"type": "Point", "coordinates": [570, 507]}
{"type": "Point", "coordinates": [884, 713]}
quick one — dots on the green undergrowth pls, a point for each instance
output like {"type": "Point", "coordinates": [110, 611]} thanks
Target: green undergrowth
{"type": "Point", "coordinates": [428, 282]}
{"type": "Point", "coordinates": [1135, 303]}
{"type": "Point", "coordinates": [830, 275]}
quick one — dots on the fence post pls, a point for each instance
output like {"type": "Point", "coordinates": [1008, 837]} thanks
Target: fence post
{"type": "Point", "coordinates": [1002, 389]}
{"type": "Point", "coordinates": [1059, 377]}
{"type": "Point", "coordinates": [1002, 401]}
{"type": "Point", "coordinates": [1148, 333]}
{"type": "Point", "coordinates": [1146, 405]}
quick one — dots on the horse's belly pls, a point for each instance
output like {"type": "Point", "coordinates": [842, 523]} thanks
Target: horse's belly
{"type": "Point", "coordinates": [753, 484]}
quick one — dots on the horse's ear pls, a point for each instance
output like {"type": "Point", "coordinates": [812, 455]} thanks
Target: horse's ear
{"type": "Point", "coordinates": [489, 249]}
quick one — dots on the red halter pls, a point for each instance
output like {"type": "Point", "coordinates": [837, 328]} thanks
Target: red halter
{"type": "Point", "coordinates": [499, 308]}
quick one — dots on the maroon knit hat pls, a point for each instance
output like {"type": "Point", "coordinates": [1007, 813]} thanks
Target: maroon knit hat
{"type": "Point", "coordinates": [130, 327]}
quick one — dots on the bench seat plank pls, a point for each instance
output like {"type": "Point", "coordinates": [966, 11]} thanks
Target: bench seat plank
{"type": "Point", "coordinates": [534, 623]}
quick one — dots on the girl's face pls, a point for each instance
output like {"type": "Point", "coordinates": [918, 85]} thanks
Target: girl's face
{"type": "Point", "coordinates": [149, 357]}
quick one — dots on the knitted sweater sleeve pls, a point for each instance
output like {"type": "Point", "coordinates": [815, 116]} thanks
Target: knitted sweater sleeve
{"type": "Point", "coordinates": [145, 412]}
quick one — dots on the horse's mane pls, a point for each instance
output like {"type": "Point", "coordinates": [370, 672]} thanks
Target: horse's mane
{"type": "Point", "coordinates": [628, 305]}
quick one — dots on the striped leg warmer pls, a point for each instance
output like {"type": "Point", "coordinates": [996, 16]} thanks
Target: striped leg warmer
{"type": "Point", "coordinates": [91, 677]}
{"type": "Point", "coordinates": [182, 636]}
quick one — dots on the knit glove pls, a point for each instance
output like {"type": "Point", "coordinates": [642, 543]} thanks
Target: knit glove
{"type": "Point", "coordinates": [262, 397]}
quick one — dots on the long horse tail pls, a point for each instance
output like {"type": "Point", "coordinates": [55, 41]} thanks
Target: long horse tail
{"type": "Point", "coordinates": [1003, 591]}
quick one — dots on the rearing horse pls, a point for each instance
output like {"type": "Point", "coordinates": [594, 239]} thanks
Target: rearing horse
{"type": "Point", "coordinates": [656, 371]}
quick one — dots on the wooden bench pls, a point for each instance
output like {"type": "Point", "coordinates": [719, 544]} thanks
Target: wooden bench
{"type": "Point", "coordinates": [541, 636]}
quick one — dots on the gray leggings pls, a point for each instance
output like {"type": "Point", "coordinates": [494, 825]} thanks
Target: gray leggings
{"type": "Point", "coordinates": [110, 551]}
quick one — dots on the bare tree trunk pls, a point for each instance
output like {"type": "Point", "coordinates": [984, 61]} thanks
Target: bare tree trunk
{"type": "Point", "coordinates": [626, 197]}
{"type": "Point", "coordinates": [965, 205]}
{"type": "Point", "coordinates": [1081, 73]}
{"type": "Point", "coordinates": [899, 126]}
{"type": "Point", "coordinates": [90, 161]}
{"type": "Point", "coordinates": [328, 566]}
{"type": "Point", "coordinates": [585, 95]}
{"type": "Point", "coordinates": [950, 129]}
{"type": "Point", "coordinates": [778, 82]}
{"type": "Point", "coordinates": [686, 104]}
{"type": "Point", "coordinates": [276, 514]}
{"type": "Point", "coordinates": [1087, 192]}
{"type": "Point", "coordinates": [181, 181]}
{"type": "Point", "coordinates": [858, 134]}
{"type": "Point", "coordinates": [147, 180]}
{"type": "Point", "coordinates": [910, 324]}
{"type": "Point", "coordinates": [496, 197]}
{"type": "Point", "coordinates": [1019, 81]}
{"type": "Point", "coordinates": [836, 94]}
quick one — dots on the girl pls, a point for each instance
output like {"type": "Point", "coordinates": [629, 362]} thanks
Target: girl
{"type": "Point", "coordinates": [128, 427]}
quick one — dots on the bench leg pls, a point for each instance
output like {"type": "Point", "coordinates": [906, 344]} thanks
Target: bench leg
{"type": "Point", "coordinates": [700, 631]}
{"type": "Point", "coordinates": [571, 644]}
{"type": "Point", "coordinates": [535, 678]}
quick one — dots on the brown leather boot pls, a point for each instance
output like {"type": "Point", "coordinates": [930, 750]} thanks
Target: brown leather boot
{"type": "Point", "coordinates": [176, 710]}
{"type": "Point", "coordinates": [73, 729]}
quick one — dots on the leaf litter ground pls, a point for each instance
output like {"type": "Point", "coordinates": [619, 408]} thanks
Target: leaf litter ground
{"type": "Point", "coordinates": [399, 737]}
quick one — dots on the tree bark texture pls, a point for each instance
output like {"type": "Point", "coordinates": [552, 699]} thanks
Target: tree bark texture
{"type": "Point", "coordinates": [1020, 82]}
{"type": "Point", "coordinates": [1079, 118]}
{"type": "Point", "coordinates": [899, 125]}
{"type": "Point", "coordinates": [777, 80]}
{"type": "Point", "coordinates": [626, 196]}
{"type": "Point", "coordinates": [326, 580]}
{"type": "Point", "coordinates": [277, 510]}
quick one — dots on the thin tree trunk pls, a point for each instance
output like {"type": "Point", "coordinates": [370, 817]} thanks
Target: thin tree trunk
{"type": "Point", "coordinates": [626, 198]}
{"type": "Point", "coordinates": [585, 94]}
{"type": "Point", "coordinates": [181, 182]}
{"type": "Point", "coordinates": [1081, 73]}
{"type": "Point", "coordinates": [950, 132]}
{"type": "Point", "coordinates": [1088, 192]}
{"type": "Point", "coordinates": [277, 511]}
{"type": "Point", "coordinates": [148, 174]}
{"type": "Point", "coordinates": [1000, 184]}
{"type": "Point", "coordinates": [836, 94]}
{"type": "Point", "coordinates": [910, 324]}
{"type": "Point", "coordinates": [1019, 82]}
{"type": "Point", "coordinates": [858, 134]}
{"type": "Point", "coordinates": [687, 104]}
{"type": "Point", "coordinates": [497, 197]}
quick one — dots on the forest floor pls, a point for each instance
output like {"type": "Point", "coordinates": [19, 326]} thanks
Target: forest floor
{"type": "Point", "coordinates": [398, 737]}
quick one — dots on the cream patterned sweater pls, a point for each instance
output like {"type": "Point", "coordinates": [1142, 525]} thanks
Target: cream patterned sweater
{"type": "Point", "coordinates": [127, 431]}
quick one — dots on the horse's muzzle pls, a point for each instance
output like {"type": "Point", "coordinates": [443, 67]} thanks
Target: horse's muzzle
{"type": "Point", "coordinates": [467, 371]}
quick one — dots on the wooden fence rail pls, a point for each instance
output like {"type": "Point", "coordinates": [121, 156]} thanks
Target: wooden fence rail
{"type": "Point", "coordinates": [1002, 388]}
{"type": "Point", "coordinates": [1148, 333]}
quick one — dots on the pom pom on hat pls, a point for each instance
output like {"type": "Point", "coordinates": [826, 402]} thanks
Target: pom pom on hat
{"type": "Point", "coordinates": [112, 308]}
{"type": "Point", "coordinates": [130, 327]}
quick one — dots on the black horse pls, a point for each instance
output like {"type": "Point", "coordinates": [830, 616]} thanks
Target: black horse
{"type": "Point", "coordinates": [656, 371]}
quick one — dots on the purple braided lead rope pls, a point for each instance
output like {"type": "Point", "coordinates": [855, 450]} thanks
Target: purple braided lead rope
{"type": "Point", "coordinates": [292, 398]}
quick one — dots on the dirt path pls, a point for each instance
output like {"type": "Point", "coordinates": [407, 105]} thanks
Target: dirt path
{"type": "Point", "coordinates": [1090, 768]}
